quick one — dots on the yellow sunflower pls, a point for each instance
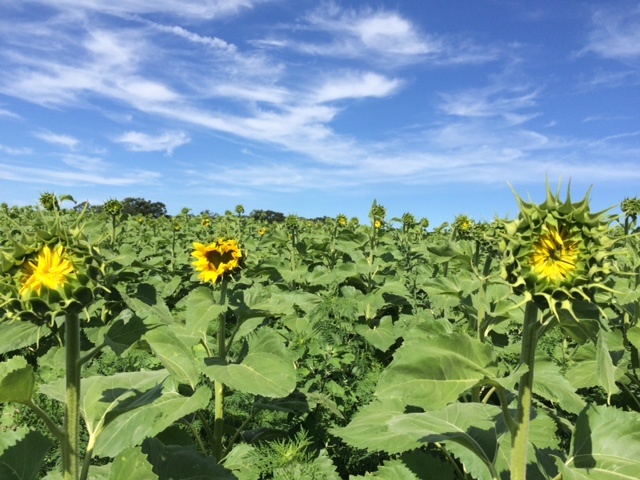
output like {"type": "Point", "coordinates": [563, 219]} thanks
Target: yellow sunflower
{"type": "Point", "coordinates": [51, 270]}
{"type": "Point", "coordinates": [554, 256]}
{"type": "Point", "coordinates": [213, 261]}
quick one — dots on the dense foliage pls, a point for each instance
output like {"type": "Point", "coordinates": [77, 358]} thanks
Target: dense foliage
{"type": "Point", "coordinates": [326, 349]}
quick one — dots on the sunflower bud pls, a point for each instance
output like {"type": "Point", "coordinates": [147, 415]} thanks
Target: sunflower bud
{"type": "Point", "coordinates": [112, 207]}
{"type": "Point", "coordinates": [557, 251]}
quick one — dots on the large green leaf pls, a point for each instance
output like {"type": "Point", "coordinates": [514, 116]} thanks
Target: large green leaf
{"type": "Point", "coordinates": [147, 301]}
{"type": "Point", "coordinates": [174, 354]}
{"type": "Point", "coordinates": [22, 452]}
{"type": "Point", "coordinates": [412, 466]}
{"type": "Point", "coordinates": [174, 462]}
{"type": "Point", "coordinates": [381, 336]}
{"type": "Point", "coordinates": [430, 372]}
{"type": "Point", "coordinates": [267, 369]}
{"type": "Point", "coordinates": [16, 380]}
{"type": "Point", "coordinates": [126, 330]}
{"type": "Point", "coordinates": [605, 367]}
{"type": "Point", "coordinates": [16, 335]}
{"type": "Point", "coordinates": [549, 383]}
{"type": "Point", "coordinates": [202, 310]}
{"type": "Point", "coordinates": [369, 429]}
{"type": "Point", "coordinates": [473, 426]}
{"type": "Point", "coordinates": [121, 410]}
{"type": "Point", "coordinates": [132, 464]}
{"type": "Point", "coordinates": [605, 446]}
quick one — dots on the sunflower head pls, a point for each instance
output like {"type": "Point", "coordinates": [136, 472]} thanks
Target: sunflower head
{"type": "Point", "coordinates": [216, 260]}
{"type": "Point", "coordinates": [206, 222]}
{"type": "Point", "coordinates": [630, 207]}
{"type": "Point", "coordinates": [49, 201]}
{"type": "Point", "coordinates": [51, 269]}
{"type": "Point", "coordinates": [463, 227]}
{"type": "Point", "coordinates": [341, 220]}
{"type": "Point", "coordinates": [262, 231]}
{"type": "Point", "coordinates": [113, 207]}
{"type": "Point", "coordinates": [557, 251]}
{"type": "Point", "coordinates": [408, 221]}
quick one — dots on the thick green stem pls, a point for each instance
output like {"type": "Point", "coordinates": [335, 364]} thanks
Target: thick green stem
{"type": "Point", "coordinates": [519, 441]}
{"type": "Point", "coordinates": [218, 422]}
{"type": "Point", "coordinates": [72, 414]}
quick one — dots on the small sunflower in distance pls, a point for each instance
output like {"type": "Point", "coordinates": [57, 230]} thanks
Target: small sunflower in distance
{"type": "Point", "coordinates": [215, 260]}
{"type": "Point", "coordinates": [50, 270]}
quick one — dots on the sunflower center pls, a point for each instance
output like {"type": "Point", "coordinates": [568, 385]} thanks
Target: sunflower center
{"type": "Point", "coordinates": [554, 256]}
{"type": "Point", "coordinates": [216, 258]}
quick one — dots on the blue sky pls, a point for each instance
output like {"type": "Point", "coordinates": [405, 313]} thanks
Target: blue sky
{"type": "Point", "coordinates": [318, 107]}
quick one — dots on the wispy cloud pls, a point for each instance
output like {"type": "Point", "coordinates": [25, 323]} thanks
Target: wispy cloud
{"type": "Point", "coordinates": [71, 177]}
{"type": "Point", "coordinates": [356, 85]}
{"type": "Point", "coordinates": [142, 142]}
{"type": "Point", "coordinates": [379, 36]}
{"type": "Point", "coordinates": [8, 113]}
{"type": "Point", "coordinates": [195, 9]}
{"type": "Point", "coordinates": [616, 33]}
{"type": "Point", "coordinates": [58, 139]}
{"type": "Point", "coordinates": [16, 151]}
{"type": "Point", "coordinates": [509, 102]}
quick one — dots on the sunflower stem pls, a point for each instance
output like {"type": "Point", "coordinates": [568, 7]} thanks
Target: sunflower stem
{"type": "Point", "coordinates": [519, 441]}
{"type": "Point", "coordinates": [218, 422]}
{"type": "Point", "coordinates": [72, 413]}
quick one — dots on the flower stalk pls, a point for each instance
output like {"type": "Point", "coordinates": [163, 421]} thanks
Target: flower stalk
{"type": "Point", "coordinates": [72, 412]}
{"type": "Point", "coordinates": [218, 422]}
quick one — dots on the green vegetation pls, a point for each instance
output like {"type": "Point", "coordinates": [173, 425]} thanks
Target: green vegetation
{"type": "Point", "coordinates": [318, 349]}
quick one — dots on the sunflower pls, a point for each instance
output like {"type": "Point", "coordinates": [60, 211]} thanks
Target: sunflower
{"type": "Point", "coordinates": [558, 252]}
{"type": "Point", "coordinates": [554, 257]}
{"type": "Point", "coordinates": [213, 261]}
{"type": "Point", "coordinates": [262, 231]}
{"type": "Point", "coordinates": [51, 270]}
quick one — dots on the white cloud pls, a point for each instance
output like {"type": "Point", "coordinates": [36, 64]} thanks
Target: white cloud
{"type": "Point", "coordinates": [142, 142]}
{"type": "Point", "coordinates": [16, 151]}
{"type": "Point", "coordinates": [59, 177]}
{"type": "Point", "coordinates": [195, 9]}
{"type": "Point", "coordinates": [616, 33]}
{"type": "Point", "coordinates": [8, 113]}
{"type": "Point", "coordinates": [57, 139]}
{"type": "Point", "coordinates": [86, 163]}
{"type": "Point", "coordinates": [382, 32]}
{"type": "Point", "coordinates": [356, 85]}
{"type": "Point", "coordinates": [493, 101]}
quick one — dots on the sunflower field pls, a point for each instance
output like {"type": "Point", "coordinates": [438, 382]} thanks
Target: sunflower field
{"type": "Point", "coordinates": [224, 347]}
